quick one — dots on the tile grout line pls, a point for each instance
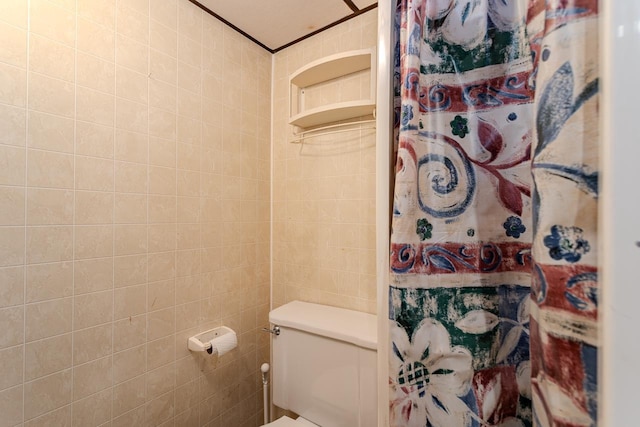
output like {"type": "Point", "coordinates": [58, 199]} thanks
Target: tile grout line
{"type": "Point", "coordinates": [73, 230]}
{"type": "Point", "coordinates": [201, 280]}
{"type": "Point", "coordinates": [148, 177]}
{"type": "Point", "coordinates": [24, 261]}
{"type": "Point", "coordinates": [175, 257]}
{"type": "Point", "coordinates": [113, 228]}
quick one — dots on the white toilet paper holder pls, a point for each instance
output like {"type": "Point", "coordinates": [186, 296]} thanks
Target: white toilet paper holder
{"type": "Point", "coordinates": [201, 341]}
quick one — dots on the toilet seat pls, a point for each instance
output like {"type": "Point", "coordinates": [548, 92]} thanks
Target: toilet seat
{"type": "Point", "coordinates": [283, 422]}
{"type": "Point", "coordinates": [288, 422]}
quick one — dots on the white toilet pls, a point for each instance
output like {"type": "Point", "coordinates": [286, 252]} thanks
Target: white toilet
{"type": "Point", "coordinates": [324, 366]}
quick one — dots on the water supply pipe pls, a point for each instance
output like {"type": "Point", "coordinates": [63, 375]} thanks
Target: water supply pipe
{"type": "Point", "coordinates": [265, 391]}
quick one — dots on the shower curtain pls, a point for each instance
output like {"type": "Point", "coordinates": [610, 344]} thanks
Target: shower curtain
{"type": "Point", "coordinates": [493, 293]}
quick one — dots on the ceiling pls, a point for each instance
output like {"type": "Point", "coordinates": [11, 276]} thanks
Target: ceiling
{"type": "Point", "coordinates": [276, 24]}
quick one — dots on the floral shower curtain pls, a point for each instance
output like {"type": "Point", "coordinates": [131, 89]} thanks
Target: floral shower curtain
{"type": "Point", "coordinates": [493, 295]}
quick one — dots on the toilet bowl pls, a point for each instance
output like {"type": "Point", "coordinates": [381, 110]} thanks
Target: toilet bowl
{"type": "Point", "coordinates": [289, 422]}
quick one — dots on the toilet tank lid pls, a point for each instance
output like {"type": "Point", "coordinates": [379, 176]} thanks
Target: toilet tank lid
{"type": "Point", "coordinates": [338, 323]}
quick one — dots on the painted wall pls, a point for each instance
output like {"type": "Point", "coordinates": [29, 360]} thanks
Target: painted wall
{"type": "Point", "coordinates": [619, 205]}
{"type": "Point", "coordinates": [384, 172]}
{"type": "Point", "coordinates": [134, 212]}
{"type": "Point", "coordinates": [324, 190]}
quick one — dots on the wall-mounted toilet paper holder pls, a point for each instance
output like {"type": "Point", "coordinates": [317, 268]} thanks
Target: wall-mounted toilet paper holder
{"type": "Point", "coordinates": [202, 341]}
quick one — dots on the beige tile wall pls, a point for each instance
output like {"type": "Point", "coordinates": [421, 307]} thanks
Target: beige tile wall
{"type": "Point", "coordinates": [324, 190]}
{"type": "Point", "coordinates": [134, 212]}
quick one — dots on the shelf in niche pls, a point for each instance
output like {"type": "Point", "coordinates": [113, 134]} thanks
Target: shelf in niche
{"type": "Point", "coordinates": [332, 67]}
{"type": "Point", "coordinates": [326, 69]}
{"type": "Point", "coordinates": [333, 113]}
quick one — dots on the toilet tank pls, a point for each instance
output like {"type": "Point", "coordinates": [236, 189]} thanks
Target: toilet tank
{"type": "Point", "coordinates": [324, 364]}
